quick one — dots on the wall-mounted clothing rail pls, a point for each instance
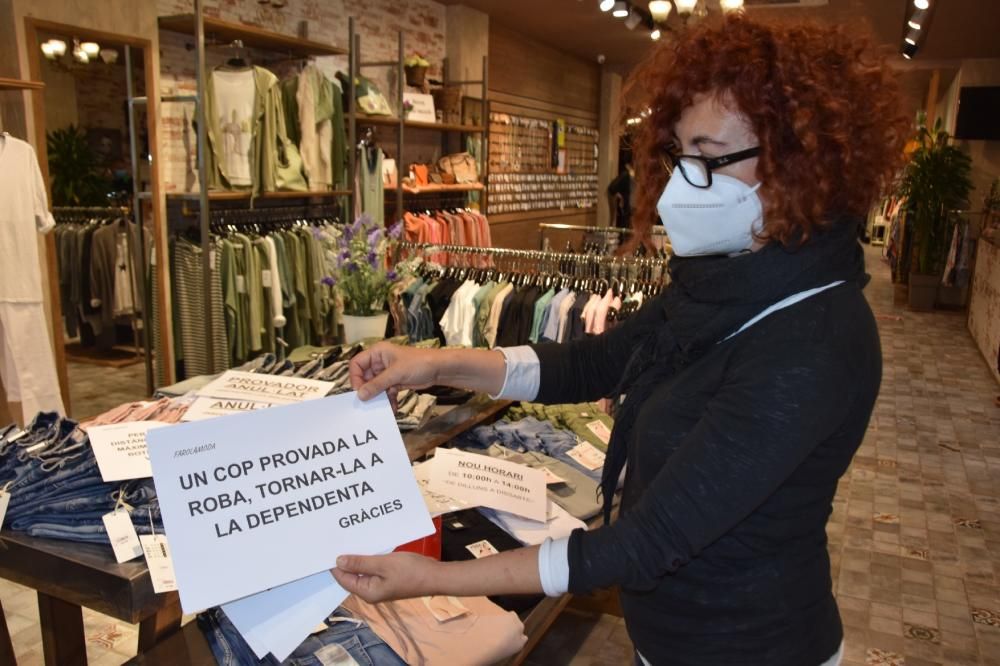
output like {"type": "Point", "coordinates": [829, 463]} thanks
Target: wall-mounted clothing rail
{"type": "Point", "coordinates": [534, 255]}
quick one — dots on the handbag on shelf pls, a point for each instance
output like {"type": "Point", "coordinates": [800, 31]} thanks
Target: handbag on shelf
{"type": "Point", "coordinates": [461, 165]}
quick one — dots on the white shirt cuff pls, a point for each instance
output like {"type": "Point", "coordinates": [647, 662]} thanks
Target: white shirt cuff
{"type": "Point", "coordinates": [523, 374]}
{"type": "Point", "coordinates": [553, 566]}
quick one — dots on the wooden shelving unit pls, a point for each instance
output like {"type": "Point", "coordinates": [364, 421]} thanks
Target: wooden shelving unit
{"type": "Point", "coordinates": [20, 84]}
{"type": "Point", "coordinates": [438, 189]}
{"type": "Point", "coordinates": [218, 31]}
{"type": "Point", "coordinates": [208, 31]}
{"type": "Point", "coordinates": [239, 196]}
{"type": "Point", "coordinates": [390, 121]}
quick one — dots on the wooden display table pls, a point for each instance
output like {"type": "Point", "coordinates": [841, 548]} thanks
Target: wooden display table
{"type": "Point", "coordinates": [69, 576]}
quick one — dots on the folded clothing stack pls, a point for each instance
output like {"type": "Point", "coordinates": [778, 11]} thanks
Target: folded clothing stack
{"type": "Point", "coordinates": [578, 418]}
{"type": "Point", "coordinates": [56, 489]}
{"type": "Point", "coordinates": [529, 434]}
{"type": "Point", "coordinates": [428, 631]}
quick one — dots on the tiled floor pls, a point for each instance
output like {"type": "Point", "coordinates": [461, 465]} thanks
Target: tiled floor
{"type": "Point", "coordinates": [914, 535]}
{"type": "Point", "coordinates": [94, 389]}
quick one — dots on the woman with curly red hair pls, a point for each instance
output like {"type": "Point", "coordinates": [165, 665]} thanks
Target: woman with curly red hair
{"type": "Point", "coordinates": [748, 382]}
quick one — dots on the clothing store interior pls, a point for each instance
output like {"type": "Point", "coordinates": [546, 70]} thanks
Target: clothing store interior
{"type": "Point", "coordinates": [640, 332]}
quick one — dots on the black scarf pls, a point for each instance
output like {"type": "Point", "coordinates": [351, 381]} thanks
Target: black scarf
{"type": "Point", "coordinates": [708, 299]}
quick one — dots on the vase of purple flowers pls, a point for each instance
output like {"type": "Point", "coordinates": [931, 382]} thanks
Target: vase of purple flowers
{"type": "Point", "coordinates": [360, 273]}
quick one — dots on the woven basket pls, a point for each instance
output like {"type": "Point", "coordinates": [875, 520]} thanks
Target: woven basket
{"type": "Point", "coordinates": [448, 100]}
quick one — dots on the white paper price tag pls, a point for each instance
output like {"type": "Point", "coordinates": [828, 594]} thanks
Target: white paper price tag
{"type": "Point", "coordinates": [481, 549]}
{"type": "Point", "coordinates": [587, 455]}
{"type": "Point", "coordinates": [161, 565]}
{"type": "Point", "coordinates": [241, 284]}
{"type": "Point", "coordinates": [4, 501]}
{"type": "Point", "coordinates": [265, 279]}
{"type": "Point", "coordinates": [121, 533]}
{"type": "Point", "coordinates": [600, 431]}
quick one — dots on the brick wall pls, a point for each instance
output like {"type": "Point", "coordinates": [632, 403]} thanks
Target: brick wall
{"type": "Point", "coordinates": [377, 22]}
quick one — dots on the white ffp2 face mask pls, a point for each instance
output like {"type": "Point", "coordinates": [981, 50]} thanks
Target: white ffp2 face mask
{"type": "Point", "coordinates": [720, 219]}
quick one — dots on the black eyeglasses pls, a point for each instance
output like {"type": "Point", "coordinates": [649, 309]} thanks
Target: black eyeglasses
{"type": "Point", "coordinates": [697, 170]}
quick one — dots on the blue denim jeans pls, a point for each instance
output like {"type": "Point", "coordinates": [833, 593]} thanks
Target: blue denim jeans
{"type": "Point", "coordinates": [355, 637]}
{"type": "Point", "coordinates": [528, 434]}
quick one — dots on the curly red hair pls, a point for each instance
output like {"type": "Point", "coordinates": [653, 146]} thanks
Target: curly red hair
{"type": "Point", "coordinates": [822, 102]}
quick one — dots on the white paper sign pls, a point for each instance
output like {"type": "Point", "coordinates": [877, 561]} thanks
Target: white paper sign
{"type": "Point", "coordinates": [423, 107]}
{"type": "Point", "coordinates": [277, 621]}
{"type": "Point", "coordinates": [120, 449]}
{"type": "Point", "coordinates": [208, 408]}
{"type": "Point", "coordinates": [587, 455]}
{"type": "Point", "coordinates": [437, 503]}
{"type": "Point", "coordinates": [121, 533]}
{"type": "Point", "coordinates": [241, 385]}
{"type": "Point", "coordinates": [261, 499]}
{"type": "Point", "coordinates": [485, 481]}
{"type": "Point", "coordinates": [161, 567]}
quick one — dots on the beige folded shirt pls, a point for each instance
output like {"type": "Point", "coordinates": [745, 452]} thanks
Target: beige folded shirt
{"type": "Point", "coordinates": [480, 632]}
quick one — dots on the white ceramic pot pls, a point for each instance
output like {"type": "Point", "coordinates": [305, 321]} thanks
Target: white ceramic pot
{"type": "Point", "coordinates": [357, 328]}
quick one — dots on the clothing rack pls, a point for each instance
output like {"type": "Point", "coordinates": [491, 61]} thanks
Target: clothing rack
{"type": "Point", "coordinates": [536, 255]}
{"type": "Point", "coordinates": [555, 226]}
{"type": "Point", "coordinates": [136, 257]}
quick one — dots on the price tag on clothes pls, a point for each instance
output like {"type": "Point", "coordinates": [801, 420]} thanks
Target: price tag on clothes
{"type": "Point", "coordinates": [481, 549]}
{"type": "Point", "coordinates": [600, 431]}
{"type": "Point", "coordinates": [121, 533]}
{"type": "Point", "coordinates": [254, 386]}
{"type": "Point", "coordinates": [587, 455]}
{"type": "Point", "coordinates": [446, 608]}
{"type": "Point", "coordinates": [330, 476]}
{"type": "Point", "coordinates": [265, 279]}
{"type": "Point", "coordinates": [121, 451]}
{"type": "Point", "coordinates": [4, 501]}
{"type": "Point", "coordinates": [484, 481]}
{"type": "Point", "coordinates": [159, 561]}
{"type": "Point", "coordinates": [241, 284]}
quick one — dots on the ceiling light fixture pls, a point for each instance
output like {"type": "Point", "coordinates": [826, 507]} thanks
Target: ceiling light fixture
{"type": "Point", "coordinates": [633, 20]}
{"type": "Point", "coordinates": [909, 51]}
{"type": "Point", "coordinates": [655, 35]}
{"type": "Point", "coordinates": [731, 5]}
{"type": "Point", "coordinates": [56, 46]}
{"type": "Point", "coordinates": [620, 10]}
{"type": "Point", "coordinates": [109, 56]}
{"type": "Point", "coordinates": [913, 24]}
{"type": "Point", "coordinates": [686, 6]}
{"type": "Point", "coordinates": [606, 5]}
{"type": "Point", "coordinates": [921, 4]}
{"type": "Point", "coordinates": [48, 51]}
{"type": "Point", "coordinates": [910, 40]}
{"type": "Point", "coordinates": [91, 49]}
{"type": "Point", "coordinates": [660, 10]}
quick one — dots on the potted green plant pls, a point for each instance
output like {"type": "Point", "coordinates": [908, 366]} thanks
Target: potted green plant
{"type": "Point", "coordinates": [358, 271]}
{"type": "Point", "coordinates": [935, 182]}
{"type": "Point", "coordinates": [416, 70]}
{"type": "Point", "coordinates": [76, 176]}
